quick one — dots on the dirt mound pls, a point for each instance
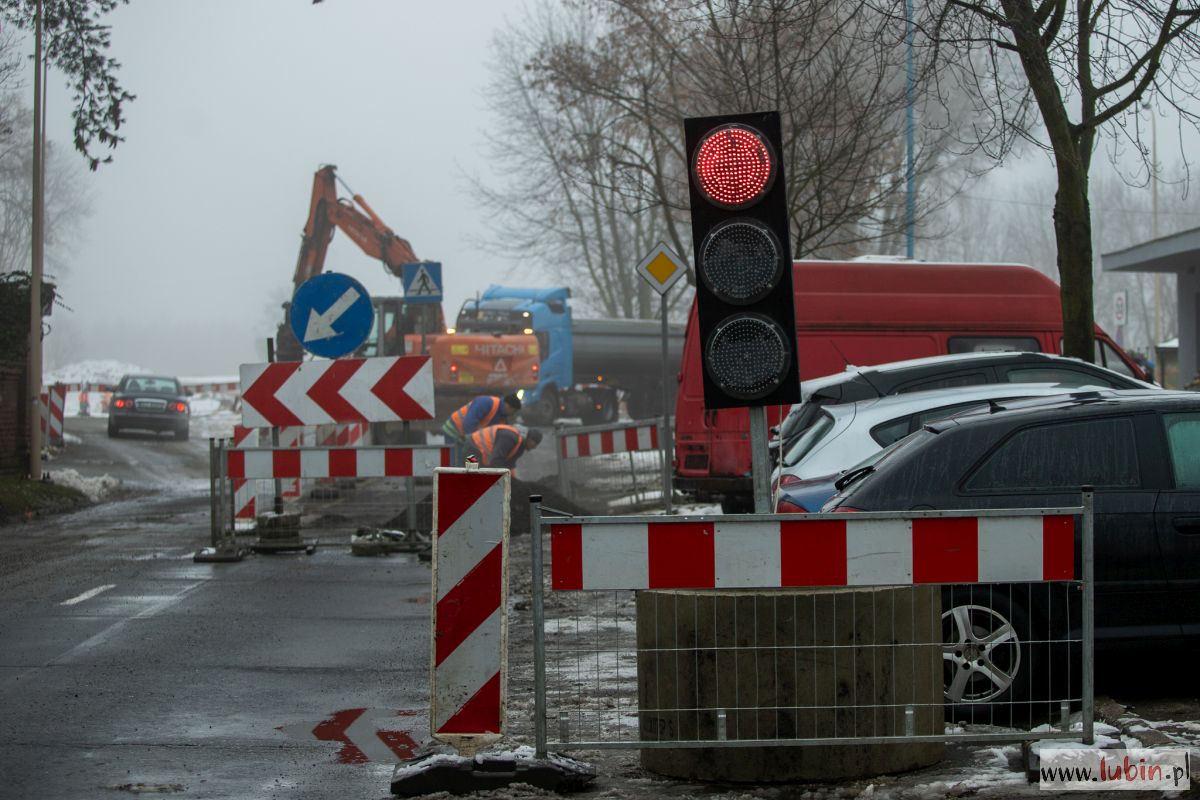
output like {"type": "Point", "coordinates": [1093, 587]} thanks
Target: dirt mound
{"type": "Point", "coordinates": [550, 498]}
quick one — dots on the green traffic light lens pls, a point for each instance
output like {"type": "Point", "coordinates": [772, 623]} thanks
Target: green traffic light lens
{"type": "Point", "coordinates": [747, 356]}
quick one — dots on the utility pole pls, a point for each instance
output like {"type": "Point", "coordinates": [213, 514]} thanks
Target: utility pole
{"type": "Point", "coordinates": [1158, 327]}
{"type": "Point", "coordinates": [35, 272]}
{"type": "Point", "coordinates": [910, 200]}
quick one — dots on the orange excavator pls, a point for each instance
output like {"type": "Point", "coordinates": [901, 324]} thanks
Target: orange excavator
{"type": "Point", "coordinates": [399, 326]}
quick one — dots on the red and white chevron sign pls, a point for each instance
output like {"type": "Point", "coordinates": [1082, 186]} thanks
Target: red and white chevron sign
{"type": "Point", "coordinates": [825, 550]}
{"type": "Point", "coordinates": [332, 462]}
{"type": "Point", "coordinates": [622, 440]}
{"type": "Point", "coordinates": [470, 587]}
{"type": "Point", "coordinates": [389, 389]}
{"type": "Point", "coordinates": [245, 493]}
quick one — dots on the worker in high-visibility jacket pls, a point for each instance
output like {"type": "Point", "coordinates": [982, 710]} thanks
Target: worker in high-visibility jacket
{"type": "Point", "coordinates": [501, 445]}
{"type": "Point", "coordinates": [481, 412]}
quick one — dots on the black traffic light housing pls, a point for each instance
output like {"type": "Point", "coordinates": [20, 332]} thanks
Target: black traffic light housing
{"type": "Point", "coordinates": [743, 260]}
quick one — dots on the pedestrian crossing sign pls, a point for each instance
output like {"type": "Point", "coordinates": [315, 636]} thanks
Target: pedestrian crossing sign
{"type": "Point", "coordinates": [422, 282]}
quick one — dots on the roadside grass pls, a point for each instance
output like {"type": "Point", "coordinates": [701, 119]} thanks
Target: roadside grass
{"type": "Point", "coordinates": [22, 499]}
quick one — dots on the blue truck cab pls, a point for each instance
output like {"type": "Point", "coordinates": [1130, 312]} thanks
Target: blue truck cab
{"type": "Point", "coordinates": [547, 313]}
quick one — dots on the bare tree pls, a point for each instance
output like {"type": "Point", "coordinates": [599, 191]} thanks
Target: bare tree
{"type": "Point", "coordinates": [591, 98]}
{"type": "Point", "coordinates": [1079, 67]}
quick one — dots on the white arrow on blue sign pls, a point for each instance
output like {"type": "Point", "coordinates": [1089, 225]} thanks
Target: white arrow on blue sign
{"type": "Point", "coordinates": [331, 315]}
{"type": "Point", "coordinates": [422, 282]}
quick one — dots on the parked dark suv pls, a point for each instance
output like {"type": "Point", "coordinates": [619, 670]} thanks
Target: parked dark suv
{"type": "Point", "coordinates": [1141, 452]}
{"type": "Point", "coordinates": [150, 403]}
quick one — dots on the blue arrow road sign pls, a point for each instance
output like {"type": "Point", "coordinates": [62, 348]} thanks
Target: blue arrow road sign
{"type": "Point", "coordinates": [331, 314]}
{"type": "Point", "coordinates": [422, 282]}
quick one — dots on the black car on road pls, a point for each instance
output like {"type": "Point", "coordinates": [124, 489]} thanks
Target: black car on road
{"type": "Point", "coordinates": [1140, 450]}
{"type": "Point", "coordinates": [150, 403]}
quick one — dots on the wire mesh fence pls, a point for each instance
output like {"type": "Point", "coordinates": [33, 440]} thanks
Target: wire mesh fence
{"type": "Point", "coordinates": [800, 665]}
{"type": "Point", "coordinates": [377, 499]}
{"type": "Point", "coordinates": [617, 467]}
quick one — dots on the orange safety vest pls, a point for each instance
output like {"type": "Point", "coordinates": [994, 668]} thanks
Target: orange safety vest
{"type": "Point", "coordinates": [459, 418]}
{"type": "Point", "coordinates": [484, 440]}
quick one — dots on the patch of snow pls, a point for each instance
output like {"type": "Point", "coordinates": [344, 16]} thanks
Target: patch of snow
{"type": "Point", "coordinates": [216, 424]}
{"type": "Point", "coordinates": [191, 380]}
{"type": "Point", "coordinates": [95, 488]}
{"type": "Point", "coordinates": [204, 405]}
{"type": "Point", "coordinates": [70, 438]}
{"type": "Point", "coordinates": [92, 371]}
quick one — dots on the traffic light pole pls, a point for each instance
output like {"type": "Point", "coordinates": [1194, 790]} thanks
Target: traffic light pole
{"type": "Point", "coordinates": [760, 463]}
{"type": "Point", "coordinates": [664, 436]}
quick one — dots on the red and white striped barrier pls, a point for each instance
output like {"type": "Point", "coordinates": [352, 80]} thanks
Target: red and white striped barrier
{"type": "Point", "coordinates": [630, 439]}
{"type": "Point", "coordinates": [210, 388]}
{"type": "Point", "coordinates": [325, 462]}
{"type": "Point", "coordinates": [470, 586]}
{"type": "Point", "coordinates": [823, 550]}
{"type": "Point", "coordinates": [89, 387]}
{"type": "Point", "coordinates": [53, 400]}
{"type": "Point", "coordinates": [291, 437]}
{"type": "Point", "coordinates": [245, 492]}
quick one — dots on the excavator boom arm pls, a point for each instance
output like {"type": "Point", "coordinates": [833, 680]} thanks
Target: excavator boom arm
{"type": "Point", "coordinates": [327, 213]}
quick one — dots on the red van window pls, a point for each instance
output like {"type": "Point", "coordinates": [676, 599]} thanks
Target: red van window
{"type": "Point", "coordinates": [992, 344]}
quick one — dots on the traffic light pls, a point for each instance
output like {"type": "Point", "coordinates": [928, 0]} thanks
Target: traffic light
{"type": "Point", "coordinates": [743, 260]}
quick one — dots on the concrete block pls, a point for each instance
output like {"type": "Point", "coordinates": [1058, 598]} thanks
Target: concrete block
{"type": "Point", "coordinates": [789, 664]}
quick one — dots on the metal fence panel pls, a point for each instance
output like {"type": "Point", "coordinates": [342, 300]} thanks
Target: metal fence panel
{"type": "Point", "coordinates": [378, 499]}
{"type": "Point", "coordinates": [628, 661]}
{"type": "Point", "coordinates": [618, 467]}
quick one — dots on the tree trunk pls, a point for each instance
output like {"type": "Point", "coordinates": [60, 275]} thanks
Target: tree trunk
{"type": "Point", "coordinates": [1073, 235]}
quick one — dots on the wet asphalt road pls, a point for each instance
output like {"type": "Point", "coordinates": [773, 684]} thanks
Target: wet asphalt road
{"type": "Point", "coordinates": [126, 667]}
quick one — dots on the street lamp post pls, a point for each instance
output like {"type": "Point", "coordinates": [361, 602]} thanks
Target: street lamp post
{"type": "Point", "coordinates": [35, 271]}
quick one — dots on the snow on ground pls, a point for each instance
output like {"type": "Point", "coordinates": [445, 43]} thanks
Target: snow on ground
{"type": "Point", "coordinates": [212, 414]}
{"type": "Point", "coordinates": [95, 488]}
{"type": "Point", "coordinates": [201, 380]}
{"type": "Point", "coordinates": [92, 371]}
{"type": "Point", "coordinates": [214, 422]}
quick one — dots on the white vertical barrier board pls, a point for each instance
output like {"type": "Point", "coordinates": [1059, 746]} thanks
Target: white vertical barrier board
{"type": "Point", "coordinates": [469, 668]}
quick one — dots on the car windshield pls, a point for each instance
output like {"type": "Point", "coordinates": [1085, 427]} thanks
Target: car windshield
{"type": "Point", "coordinates": [146, 383]}
{"type": "Point", "coordinates": [808, 439]}
{"type": "Point", "coordinates": [878, 455]}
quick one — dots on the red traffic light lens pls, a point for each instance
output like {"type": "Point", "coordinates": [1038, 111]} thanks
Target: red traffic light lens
{"type": "Point", "coordinates": [734, 166]}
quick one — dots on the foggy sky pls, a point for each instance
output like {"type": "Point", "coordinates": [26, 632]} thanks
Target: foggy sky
{"type": "Point", "coordinates": [190, 250]}
{"type": "Point", "coordinates": [196, 225]}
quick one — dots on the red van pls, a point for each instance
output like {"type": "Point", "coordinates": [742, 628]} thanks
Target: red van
{"type": "Point", "coordinates": [864, 313]}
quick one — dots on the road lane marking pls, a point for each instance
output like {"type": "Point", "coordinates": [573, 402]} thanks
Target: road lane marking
{"type": "Point", "coordinates": [88, 595]}
{"type": "Point", "coordinates": [84, 646]}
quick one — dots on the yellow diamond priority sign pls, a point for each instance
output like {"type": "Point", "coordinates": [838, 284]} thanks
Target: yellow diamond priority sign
{"type": "Point", "coordinates": [662, 268]}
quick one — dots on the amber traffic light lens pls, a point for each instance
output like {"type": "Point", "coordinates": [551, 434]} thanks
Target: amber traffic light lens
{"type": "Point", "coordinates": [741, 261]}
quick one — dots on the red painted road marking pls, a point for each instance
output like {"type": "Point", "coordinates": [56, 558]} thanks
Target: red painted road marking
{"type": "Point", "coordinates": [366, 734]}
